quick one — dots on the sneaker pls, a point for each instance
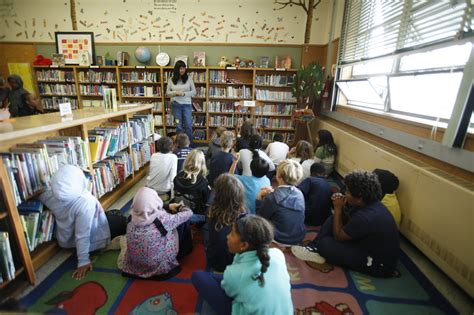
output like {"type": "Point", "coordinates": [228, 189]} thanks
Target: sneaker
{"type": "Point", "coordinates": [307, 253]}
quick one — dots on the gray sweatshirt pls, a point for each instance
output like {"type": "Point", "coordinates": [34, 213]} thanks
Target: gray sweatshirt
{"type": "Point", "coordinates": [188, 89]}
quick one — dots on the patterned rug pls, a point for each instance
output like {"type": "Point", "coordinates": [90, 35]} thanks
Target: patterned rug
{"type": "Point", "coordinates": [315, 290]}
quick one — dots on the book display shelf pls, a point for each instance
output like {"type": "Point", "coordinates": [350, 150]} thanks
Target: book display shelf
{"type": "Point", "coordinates": [218, 93]}
{"type": "Point", "coordinates": [113, 147]}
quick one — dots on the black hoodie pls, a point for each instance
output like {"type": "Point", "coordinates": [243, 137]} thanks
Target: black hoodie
{"type": "Point", "coordinates": [196, 193]}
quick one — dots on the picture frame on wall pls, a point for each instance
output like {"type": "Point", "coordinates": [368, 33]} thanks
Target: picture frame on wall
{"type": "Point", "coordinates": [73, 44]}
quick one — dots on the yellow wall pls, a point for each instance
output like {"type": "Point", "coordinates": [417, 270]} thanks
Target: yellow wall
{"type": "Point", "coordinates": [438, 214]}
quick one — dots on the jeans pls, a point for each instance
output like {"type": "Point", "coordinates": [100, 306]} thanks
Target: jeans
{"type": "Point", "coordinates": [209, 288]}
{"type": "Point", "coordinates": [183, 118]}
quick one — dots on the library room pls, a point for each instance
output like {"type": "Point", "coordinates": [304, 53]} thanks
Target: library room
{"type": "Point", "coordinates": [236, 157]}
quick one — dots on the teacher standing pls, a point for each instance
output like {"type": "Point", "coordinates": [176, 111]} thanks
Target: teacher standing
{"type": "Point", "coordinates": [181, 88]}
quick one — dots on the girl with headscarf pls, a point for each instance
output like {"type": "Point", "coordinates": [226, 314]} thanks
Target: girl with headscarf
{"type": "Point", "coordinates": [81, 222]}
{"type": "Point", "coordinates": [152, 237]}
{"type": "Point", "coordinates": [17, 94]}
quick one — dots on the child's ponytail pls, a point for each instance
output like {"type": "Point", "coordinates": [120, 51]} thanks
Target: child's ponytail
{"type": "Point", "coordinates": [258, 232]}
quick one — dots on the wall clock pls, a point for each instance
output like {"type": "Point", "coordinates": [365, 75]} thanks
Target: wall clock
{"type": "Point", "coordinates": [162, 59]}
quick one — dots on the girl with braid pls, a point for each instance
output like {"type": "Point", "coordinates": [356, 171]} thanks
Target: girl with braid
{"type": "Point", "coordinates": [257, 282]}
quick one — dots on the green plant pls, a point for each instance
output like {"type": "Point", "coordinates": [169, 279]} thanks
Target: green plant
{"type": "Point", "coordinates": [307, 86]}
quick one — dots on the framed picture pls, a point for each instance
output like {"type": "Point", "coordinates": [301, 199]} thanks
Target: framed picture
{"type": "Point", "coordinates": [58, 60]}
{"type": "Point", "coordinates": [72, 44]}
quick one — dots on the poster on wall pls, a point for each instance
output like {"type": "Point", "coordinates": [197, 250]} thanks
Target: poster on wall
{"type": "Point", "coordinates": [73, 44]}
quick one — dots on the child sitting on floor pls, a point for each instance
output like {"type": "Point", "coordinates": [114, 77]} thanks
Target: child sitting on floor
{"type": "Point", "coordinates": [214, 144]}
{"type": "Point", "coordinates": [227, 206]}
{"type": "Point", "coordinates": [152, 239]}
{"type": "Point", "coordinates": [222, 160]}
{"type": "Point", "coordinates": [317, 195]}
{"type": "Point", "coordinates": [326, 151]}
{"type": "Point", "coordinates": [389, 183]}
{"type": "Point", "coordinates": [81, 222]}
{"type": "Point", "coordinates": [303, 154]}
{"type": "Point", "coordinates": [257, 282]}
{"type": "Point", "coordinates": [247, 155]}
{"type": "Point", "coordinates": [182, 142]}
{"type": "Point", "coordinates": [163, 167]}
{"type": "Point", "coordinates": [284, 207]}
{"type": "Point", "coordinates": [277, 150]}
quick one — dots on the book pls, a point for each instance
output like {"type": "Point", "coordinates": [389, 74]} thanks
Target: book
{"type": "Point", "coordinates": [31, 206]}
{"type": "Point", "coordinates": [84, 58]}
{"type": "Point", "coordinates": [183, 58]}
{"type": "Point", "coordinates": [199, 58]}
{"type": "Point", "coordinates": [283, 62]}
{"type": "Point", "coordinates": [110, 98]}
{"type": "Point", "coordinates": [264, 62]}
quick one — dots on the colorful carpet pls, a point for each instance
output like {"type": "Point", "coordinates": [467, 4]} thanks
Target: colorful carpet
{"type": "Point", "coordinates": [322, 290]}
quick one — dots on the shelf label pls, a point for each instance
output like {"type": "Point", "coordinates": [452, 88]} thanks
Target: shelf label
{"type": "Point", "coordinates": [65, 109]}
{"type": "Point", "coordinates": [231, 68]}
{"type": "Point", "coordinates": [140, 67]}
{"type": "Point", "coordinates": [249, 104]}
{"type": "Point", "coordinates": [54, 66]}
{"type": "Point", "coordinates": [280, 69]}
{"type": "Point", "coordinates": [94, 67]}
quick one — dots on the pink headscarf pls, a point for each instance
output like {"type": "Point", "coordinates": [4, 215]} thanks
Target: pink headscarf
{"type": "Point", "coordinates": [146, 206]}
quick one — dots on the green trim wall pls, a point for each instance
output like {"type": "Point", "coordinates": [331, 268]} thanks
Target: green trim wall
{"type": "Point", "coordinates": [213, 53]}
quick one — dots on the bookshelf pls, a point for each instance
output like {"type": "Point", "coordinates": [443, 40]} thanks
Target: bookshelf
{"type": "Point", "coordinates": [137, 145]}
{"type": "Point", "coordinates": [218, 89]}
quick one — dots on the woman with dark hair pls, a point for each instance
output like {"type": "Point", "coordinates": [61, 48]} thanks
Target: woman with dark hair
{"type": "Point", "coordinates": [326, 151]}
{"type": "Point", "coordinates": [366, 239]}
{"type": "Point", "coordinates": [253, 151]}
{"type": "Point", "coordinates": [181, 89]}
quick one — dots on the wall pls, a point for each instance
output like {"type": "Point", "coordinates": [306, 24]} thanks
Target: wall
{"type": "Point", "coordinates": [212, 21]}
{"type": "Point", "coordinates": [436, 207]}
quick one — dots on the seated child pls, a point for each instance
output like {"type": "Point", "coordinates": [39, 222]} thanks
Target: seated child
{"type": "Point", "coordinates": [247, 155]}
{"type": "Point", "coordinates": [222, 160]}
{"type": "Point", "coordinates": [389, 183]}
{"type": "Point", "coordinates": [257, 282]}
{"type": "Point", "coordinates": [253, 184]}
{"type": "Point", "coordinates": [81, 222]}
{"type": "Point", "coordinates": [317, 195]}
{"type": "Point", "coordinates": [163, 166]}
{"type": "Point", "coordinates": [368, 241]}
{"type": "Point", "coordinates": [277, 150]}
{"type": "Point", "coordinates": [152, 239]}
{"type": "Point", "coordinates": [303, 154]}
{"type": "Point", "coordinates": [190, 185]}
{"type": "Point", "coordinates": [243, 135]}
{"type": "Point", "coordinates": [326, 151]}
{"type": "Point", "coordinates": [284, 207]}
{"type": "Point", "coordinates": [227, 206]}
{"type": "Point", "coordinates": [182, 142]}
{"type": "Point", "coordinates": [214, 144]}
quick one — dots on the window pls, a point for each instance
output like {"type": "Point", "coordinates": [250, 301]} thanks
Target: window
{"type": "Point", "coordinates": [405, 57]}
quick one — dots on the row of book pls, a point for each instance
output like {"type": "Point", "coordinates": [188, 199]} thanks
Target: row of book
{"type": "Point", "coordinates": [108, 139]}
{"type": "Point", "coordinates": [153, 91]}
{"type": "Point", "coordinates": [288, 137]}
{"type": "Point", "coordinates": [142, 76]}
{"type": "Point", "coordinates": [198, 107]}
{"type": "Point", "coordinates": [274, 80]}
{"type": "Point", "coordinates": [142, 152]}
{"type": "Point", "coordinates": [199, 134]}
{"type": "Point", "coordinates": [275, 95]}
{"type": "Point", "coordinates": [275, 109]}
{"type": "Point", "coordinates": [274, 123]}
{"type": "Point", "coordinates": [93, 89]}
{"type": "Point", "coordinates": [231, 92]}
{"type": "Point", "coordinates": [196, 76]}
{"type": "Point", "coordinates": [38, 224]}
{"type": "Point", "coordinates": [199, 120]}
{"type": "Point", "coordinates": [223, 107]}
{"type": "Point", "coordinates": [218, 76]}
{"type": "Point", "coordinates": [65, 89]}
{"type": "Point", "coordinates": [226, 121]}
{"type": "Point", "coordinates": [52, 103]}
{"type": "Point", "coordinates": [97, 77]}
{"type": "Point", "coordinates": [55, 75]}
{"type": "Point", "coordinates": [200, 91]}
{"type": "Point", "coordinates": [141, 127]}
{"type": "Point", "coordinates": [158, 119]}
{"type": "Point", "coordinates": [7, 265]}
{"type": "Point", "coordinates": [111, 172]}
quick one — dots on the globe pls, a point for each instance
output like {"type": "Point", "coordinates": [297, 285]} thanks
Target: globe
{"type": "Point", "coordinates": [143, 54]}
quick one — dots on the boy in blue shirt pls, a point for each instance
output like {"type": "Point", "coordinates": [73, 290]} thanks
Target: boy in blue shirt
{"type": "Point", "coordinates": [182, 142]}
{"type": "Point", "coordinates": [222, 160]}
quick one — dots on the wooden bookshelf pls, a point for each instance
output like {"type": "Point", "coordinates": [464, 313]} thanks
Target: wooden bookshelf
{"type": "Point", "coordinates": [129, 78]}
{"type": "Point", "coordinates": [33, 128]}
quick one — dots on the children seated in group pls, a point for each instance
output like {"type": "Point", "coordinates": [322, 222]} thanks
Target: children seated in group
{"type": "Point", "coordinates": [389, 183]}
{"type": "Point", "coordinates": [277, 151]}
{"type": "Point", "coordinates": [367, 241]}
{"type": "Point", "coordinates": [257, 282]}
{"type": "Point", "coordinates": [81, 222]}
{"type": "Point", "coordinates": [214, 144]}
{"type": "Point", "coordinates": [284, 207]}
{"type": "Point", "coordinates": [152, 240]}
{"type": "Point", "coordinates": [163, 169]}
{"type": "Point", "coordinates": [222, 160]}
{"type": "Point", "coordinates": [227, 205]}
{"type": "Point", "coordinates": [253, 184]}
{"type": "Point", "coordinates": [303, 154]}
{"type": "Point", "coordinates": [243, 135]}
{"type": "Point", "coordinates": [246, 155]}
{"type": "Point", "coordinates": [190, 185]}
{"type": "Point", "coordinates": [326, 151]}
{"type": "Point", "coordinates": [182, 150]}
{"type": "Point", "coordinates": [317, 195]}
